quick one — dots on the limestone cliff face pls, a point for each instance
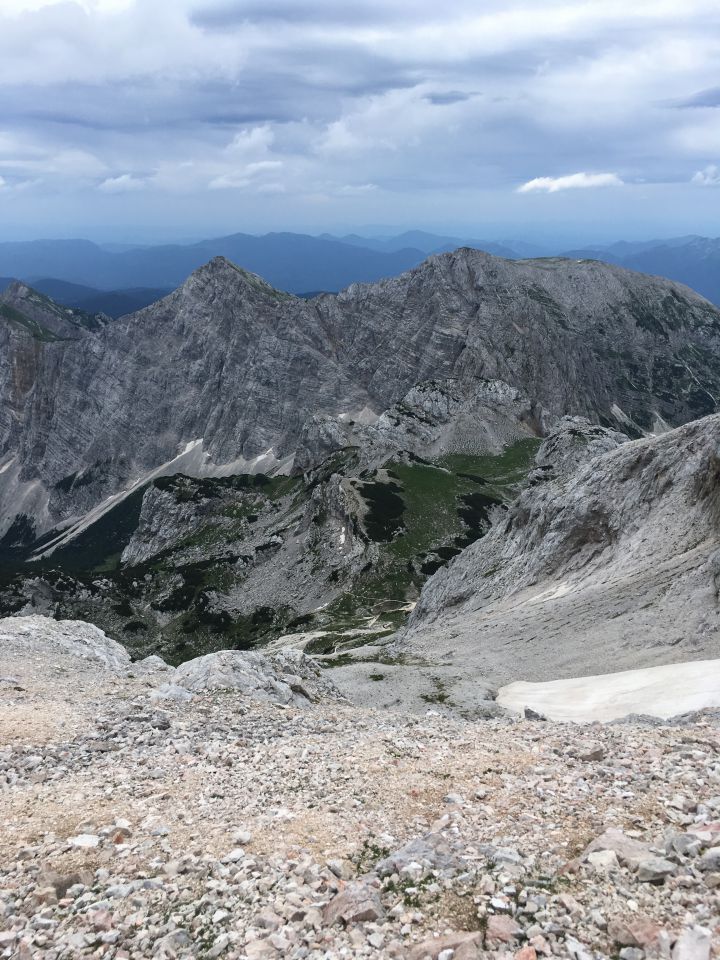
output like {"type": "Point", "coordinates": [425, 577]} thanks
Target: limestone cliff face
{"type": "Point", "coordinates": [231, 362]}
{"type": "Point", "coordinates": [609, 558]}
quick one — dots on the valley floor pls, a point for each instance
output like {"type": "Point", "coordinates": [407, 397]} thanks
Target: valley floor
{"type": "Point", "coordinates": [220, 827]}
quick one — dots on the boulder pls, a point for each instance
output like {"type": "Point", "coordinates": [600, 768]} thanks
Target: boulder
{"type": "Point", "coordinates": [629, 852]}
{"type": "Point", "coordinates": [432, 852]}
{"type": "Point", "coordinates": [655, 870]}
{"type": "Point", "coordinates": [358, 902]}
{"type": "Point", "coordinates": [287, 677]}
{"type": "Point", "coordinates": [464, 946]}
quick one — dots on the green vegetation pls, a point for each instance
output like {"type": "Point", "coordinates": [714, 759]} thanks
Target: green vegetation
{"type": "Point", "coordinates": [370, 854]}
{"type": "Point", "coordinates": [98, 549]}
{"type": "Point", "coordinates": [446, 505]}
{"type": "Point", "coordinates": [414, 515]}
{"type": "Point", "coordinates": [411, 891]}
{"type": "Point", "coordinates": [439, 693]}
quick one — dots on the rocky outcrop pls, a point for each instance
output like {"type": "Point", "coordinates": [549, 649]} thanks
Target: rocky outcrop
{"type": "Point", "coordinates": [433, 419]}
{"type": "Point", "coordinates": [225, 374]}
{"type": "Point", "coordinates": [66, 637]}
{"type": "Point", "coordinates": [40, 318]}
{"type": "Point", "coordinates": [613, 562]}
{"type": "Point", "coordinates": [287, 677]}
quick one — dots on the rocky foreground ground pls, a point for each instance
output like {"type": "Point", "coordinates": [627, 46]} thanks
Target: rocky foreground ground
{"type": "Point", "coordinates": [152, 813]}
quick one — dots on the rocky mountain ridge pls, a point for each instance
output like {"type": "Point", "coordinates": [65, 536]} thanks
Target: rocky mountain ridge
{"type": "Point", "coordinates": [234, 466]}
{"type": "Point", "coordinates": [224, 375]}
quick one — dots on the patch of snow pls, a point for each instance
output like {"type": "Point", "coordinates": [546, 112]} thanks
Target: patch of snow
{"type": "Point", "coordinates": [553, 593]}
{"type": "Point", "coordinates": [191, 446]}
{"type": "Point", "coordinates": [664, 692]}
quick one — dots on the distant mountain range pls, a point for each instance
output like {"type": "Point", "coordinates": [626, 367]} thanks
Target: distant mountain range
{"type": "Point", "coordinates": [292, 262]}
{"type": "Point", "coordinates": [428, 243]}
{"type": "Point", "coordinates": [119, 279]}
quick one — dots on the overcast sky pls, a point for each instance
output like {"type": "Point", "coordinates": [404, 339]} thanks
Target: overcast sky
{"type": "Point", "coordinates": [134, 119]}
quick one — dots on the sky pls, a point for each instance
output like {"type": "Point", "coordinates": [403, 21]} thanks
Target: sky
{"type": "Point", "coordinates": [179, 119]}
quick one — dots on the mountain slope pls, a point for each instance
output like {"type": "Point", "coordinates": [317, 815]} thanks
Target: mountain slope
{"type": "Point", "coordinates": [611, 555]}
{"type": "Point", "coordinates": [229, 375]}
{"type": "Point", "coordinates": [694, 261]}
{"type": "Point", "coordinates": [42, 318]}
{"type": "Point", "coordinates": [336, 555]}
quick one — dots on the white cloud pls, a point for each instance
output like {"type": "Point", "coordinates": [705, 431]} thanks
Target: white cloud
{"type": "Point", "coordinates": [125, 183]}
{"type": "Point", "coordinates": [239, 179]}
{"type": "Point", "coordinates": [574, 181]}
{"type": "Point", "coordinates": [28, 158]}
{"type": "Point", "coordinates": [243, 162]}
{"type": "Point", "coordinates": [357, 189]}
{"type": "Point", "coordinates": [709, 177]}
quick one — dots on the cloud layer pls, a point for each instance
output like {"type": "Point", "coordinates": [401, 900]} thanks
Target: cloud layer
{"type": "Point", "coordinates": [572, 181]}
{"type": "Point", "coordinates": [304, 112]}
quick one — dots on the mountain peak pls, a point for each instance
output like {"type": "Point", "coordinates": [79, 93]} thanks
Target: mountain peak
{"type": "Point", "coordinates": [16, 290]}
{"type": "Point", "coordinates": [222, 271]}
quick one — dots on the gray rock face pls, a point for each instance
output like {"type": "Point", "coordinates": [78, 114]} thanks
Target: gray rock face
{"type": "Point", "coordinates": [40, 318]}
{"type": "Point", "coordinates": [287, 677]}
{"type": "Point", "coordinates": [419, 856]}
{"type": "Point", "coordinates": [433, 419]}
{"type": "Point", "coordinates": [226, 374]}
{"type": "Point", "coordinates": [614, 564]}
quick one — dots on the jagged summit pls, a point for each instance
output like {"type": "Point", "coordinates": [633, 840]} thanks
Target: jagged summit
{"type": "Point", "coordinates": [222, 271]}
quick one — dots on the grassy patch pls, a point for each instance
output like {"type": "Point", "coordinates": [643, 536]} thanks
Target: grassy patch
{"type": "Point", "coordinates": [446, 505]}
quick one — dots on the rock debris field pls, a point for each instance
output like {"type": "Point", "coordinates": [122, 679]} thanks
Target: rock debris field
{"type": "Point", "coordinates": [249, 812]}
